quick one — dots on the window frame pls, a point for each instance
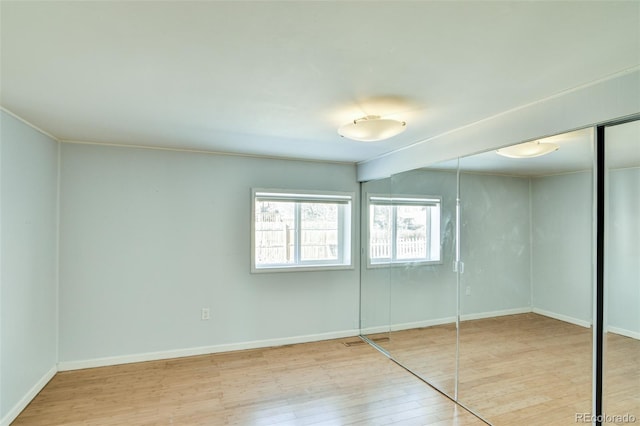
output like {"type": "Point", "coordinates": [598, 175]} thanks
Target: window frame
{"type": "Point", "coordinates": [403, 200]}
{"type": "Point", "coordinates": [346, 231]}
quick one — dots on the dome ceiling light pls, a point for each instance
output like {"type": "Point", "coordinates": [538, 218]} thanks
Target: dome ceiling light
{"type": "Point", "coordinates": [528, 149]}
{"type": "Point", "coordinates": [372, 128]}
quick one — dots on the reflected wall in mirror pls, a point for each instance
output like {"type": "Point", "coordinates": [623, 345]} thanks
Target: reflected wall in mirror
{"type": "Point", "coordinates": [526, 290]}
{"type": "Point", "coordinates": [622, 272]}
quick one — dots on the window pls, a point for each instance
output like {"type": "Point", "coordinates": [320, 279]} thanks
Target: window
{"type": "Point", "coordinates": [301, 230]}
{"type": "Point", "coordinates": [404, 229]}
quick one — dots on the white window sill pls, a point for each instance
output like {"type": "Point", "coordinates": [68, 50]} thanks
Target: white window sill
{"type": "Point", "coordinates": [300, 268]}
{"type": "Point", "coordinates": [404, 264]}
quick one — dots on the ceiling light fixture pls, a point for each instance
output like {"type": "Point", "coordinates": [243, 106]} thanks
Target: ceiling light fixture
{"type": "Point", "coordinates": [372, 128]}
{"type": "Point", "coordinates": [528, 149]}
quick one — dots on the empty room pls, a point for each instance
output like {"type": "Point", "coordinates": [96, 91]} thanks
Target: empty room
{"type": "Point", "coordinates": [319, 213]}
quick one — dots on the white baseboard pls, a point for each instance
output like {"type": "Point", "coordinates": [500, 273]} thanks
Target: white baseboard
{"type": "Point", "coordinates": [406, 326]}
{"type": "Point", "coordinates": [202, 350]}
{"type": "Point", "coordinates": [624, 332]}
{"type": "Point", "coordinates": [445, 320]}
{"type": "Point", "coordinates": [422, 324]}
{"type": "Point", "coordinates": [492, 314]}
{"type": "Point", "coordinates": [483, 315]}
{"type": "Point", "coordinates": [27, 398]}
{"type": "Point", "coordinates": [375, 330]}
{"type": "Point", "coordinates": [561, 317]}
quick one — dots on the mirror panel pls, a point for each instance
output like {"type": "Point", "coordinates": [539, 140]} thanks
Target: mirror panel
{"type": "Point", "coordinates": [510, 334]}
{"type": "Point", "coordinates": [622, 274]}
{"type": "Point", "coordinates": [526, 290]}
{"type": "Point", "coordinates": [375, 295]}
{"type": "Point", "coordinates": [423, 309]}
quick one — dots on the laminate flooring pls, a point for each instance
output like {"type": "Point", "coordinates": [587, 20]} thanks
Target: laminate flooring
{"type": "Point", "coordinates": [335, 382]}
{"type": "Point", "coordinates": [518, 369]}
{"type": "Point", "coordinates": [622, 377]}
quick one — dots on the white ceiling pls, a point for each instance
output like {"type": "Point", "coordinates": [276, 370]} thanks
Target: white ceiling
{"type": "Point", "coordinates": [278, 78]}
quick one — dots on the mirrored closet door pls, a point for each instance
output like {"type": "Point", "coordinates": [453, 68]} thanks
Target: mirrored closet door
{"type": "Point", "coordinates": [423, 294]}
{"type": "Point", "coordinates": [621, 388]}
{"type": "Point", "coordinates": [526, 289]}
{"type": "Point", "coordinates": [478, 275]}
{"type": "Point", "coordinates": [408, 286]}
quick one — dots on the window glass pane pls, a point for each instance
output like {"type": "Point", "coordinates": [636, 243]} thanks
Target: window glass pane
{"type": "Point", "coordinates": [380, 232]}
{"type": "Point", "coordinates": [318, 231]}
{"type": "Point", "coordinates": [275, 233]}
{"type": "Point", "coordinates": [411, 232]}
{"type": "Point", "coordinates": [301, 230]}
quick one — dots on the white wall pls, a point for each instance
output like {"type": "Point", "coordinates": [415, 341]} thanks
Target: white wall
{"type": "Point", "coordinates": [28, 263]}
{"type": "Point", "coordinates": [562, 236]}
{"type": "Point", "coordinates": [622, 266]}
{"type": "Point", "coordinates": [149, 237]}
{"type": "Point", "coordinates": [494, 244]}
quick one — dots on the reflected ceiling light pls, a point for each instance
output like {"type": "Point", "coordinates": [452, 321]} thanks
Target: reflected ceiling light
{"type": "Point", "coordinates": [372, 128]}
{"type": "Point", "coordinates": [528, 149]}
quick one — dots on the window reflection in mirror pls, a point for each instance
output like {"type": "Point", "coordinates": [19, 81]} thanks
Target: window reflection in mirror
{"type": "Point", "coordinates": [423, 294]}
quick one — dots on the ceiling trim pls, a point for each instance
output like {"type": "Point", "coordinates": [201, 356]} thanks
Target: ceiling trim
{"type": "Point", "coordinates": [174, 149]}
{"type": "Point", "coordinates": [33, 126]}
{"type": "Point", "coordinates": [197, 151]}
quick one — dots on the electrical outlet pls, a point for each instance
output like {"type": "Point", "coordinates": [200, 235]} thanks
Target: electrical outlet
{"type": "Point", "coordinates": [205, 314]}
{"type": "Point", "coordinates": [468, 290]}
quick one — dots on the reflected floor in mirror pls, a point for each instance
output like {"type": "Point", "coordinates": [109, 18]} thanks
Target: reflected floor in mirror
{"type": "Point", "coordinates": [622, 377]}
{"type": "Point", "coordinates": [342, 381]}
{"type": "Point", "coordinates": [521, 369]}
{"type": "Point", "coordinates": [525, 369]}
{"type": "Point", "coordinates": [515, 369]}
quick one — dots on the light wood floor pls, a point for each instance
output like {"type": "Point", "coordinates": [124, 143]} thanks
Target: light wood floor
{"type": "Point", "coordinates": [540, 369]}
{"type": "Point", "coordinates": [521, 369]}
{"type": "Point", "coordinates": [622, 376]}
{"type": "Point", "coordinates": [323, 383]}
{"type": "Point", "coordinates": [429, 352]}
